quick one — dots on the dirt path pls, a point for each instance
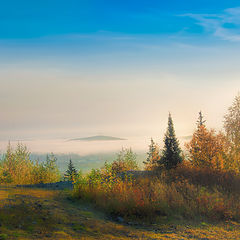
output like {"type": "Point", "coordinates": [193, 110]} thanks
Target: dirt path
{"type": "Point", "coordinates": [51, 214]}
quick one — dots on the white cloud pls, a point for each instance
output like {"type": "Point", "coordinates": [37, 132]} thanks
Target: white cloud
{"type": "Point", "coordinates": [225, 25]}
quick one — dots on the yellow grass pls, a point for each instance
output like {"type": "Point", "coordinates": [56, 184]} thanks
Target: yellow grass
{"type": "Point", "coordinates": [44, 214]}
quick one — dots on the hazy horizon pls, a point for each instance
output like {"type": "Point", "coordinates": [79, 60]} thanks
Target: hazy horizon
{"type": "Point", "coordinates": [79, 69]}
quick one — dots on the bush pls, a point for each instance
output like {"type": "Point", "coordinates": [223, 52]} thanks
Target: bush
{"type": "Point", "coordinates": [222, 180]}
{"type": "Point", "coordinates": [170, 193]}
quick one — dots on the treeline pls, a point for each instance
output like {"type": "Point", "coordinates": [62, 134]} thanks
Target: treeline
{"type": "Point", "coordinates": [202, 183]}
{"type": "Point", "coordinates": [207, 148]}
{"type": "Point", "coordinates": [16, 167]}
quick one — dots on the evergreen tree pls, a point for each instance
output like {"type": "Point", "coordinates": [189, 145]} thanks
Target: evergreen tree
{"type": "Point", "coordinates": [152, 156]}
{"type": "Point", "coordinates": [71, 172]}
{"type": "Point", "coordinates": [171, 154]}
{"type": "Point", "coordinates": [200, 121]}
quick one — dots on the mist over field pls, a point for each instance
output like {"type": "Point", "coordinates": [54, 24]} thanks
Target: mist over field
{"type": "Point", "coordinates": [84, 154]}
{"type": "Point", "coordinates": [66, 146]}
{"type": "Point", "coordinates": [87, 154]}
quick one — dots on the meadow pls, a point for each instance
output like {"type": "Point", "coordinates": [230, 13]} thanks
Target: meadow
{"type": "Point", "coordinates": [178, 195]}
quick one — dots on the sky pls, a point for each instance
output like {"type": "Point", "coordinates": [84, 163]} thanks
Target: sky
{"type": "Point", "coordinates": [81, 68]}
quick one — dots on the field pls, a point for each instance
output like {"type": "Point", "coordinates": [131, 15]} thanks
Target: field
{"type": "Point", "coordinates": [51, 214]}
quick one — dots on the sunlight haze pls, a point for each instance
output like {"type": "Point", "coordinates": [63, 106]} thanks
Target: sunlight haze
{"type": "Point", "coordinates": [100, 75]}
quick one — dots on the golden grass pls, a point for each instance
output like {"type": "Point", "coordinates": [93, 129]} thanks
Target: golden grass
{"type": "Point", "coordinates": [43, 214]}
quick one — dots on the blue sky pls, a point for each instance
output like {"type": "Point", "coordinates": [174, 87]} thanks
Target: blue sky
{"type": "Point", "coordinates": [32, 19]}
{"type": "Point", "coordinates": [115, 67]}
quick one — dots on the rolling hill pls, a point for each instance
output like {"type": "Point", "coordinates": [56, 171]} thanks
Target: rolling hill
{"type": "Point", "coordinates": [97, 138]}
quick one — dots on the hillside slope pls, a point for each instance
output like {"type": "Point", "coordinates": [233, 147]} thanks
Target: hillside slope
{"type": "Point", "coordinates": [50, 214]}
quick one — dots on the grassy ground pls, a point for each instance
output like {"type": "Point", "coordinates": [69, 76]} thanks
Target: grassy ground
{"type": "Point", "coordinates": [49, 214]}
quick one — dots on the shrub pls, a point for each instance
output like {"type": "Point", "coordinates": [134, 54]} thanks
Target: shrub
{"type": "Point", "coordinates": [170, 193]}
{"type": "Point", "coordinates": [222, 180]}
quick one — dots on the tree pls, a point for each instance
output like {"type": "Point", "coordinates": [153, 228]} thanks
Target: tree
{"type": "Point", "coordinates": [17, 165]}
{"type": "Point", "coordinates": [18, 168]}
{"type": "Point", "coordinates": [232, 123]}
{"type": "Point", "coordinates": [153, 156]}
{"type": "Point", "coordinates": [71, 172]}
{"type": "Point", "coordinates": [171, 155]}
{"type": "Point", "coordinates": [126, 160]}
{"type": "Point", "coordinates": [50, 169]}
{"type": "Point", "coordinates": [200, 121]}
{"type": "Point", "coordinates": [232, 129]}
{"type": "Point", "coordinates": [206, 148]}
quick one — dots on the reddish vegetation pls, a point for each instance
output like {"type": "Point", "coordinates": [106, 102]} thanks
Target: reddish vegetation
{"type": "Point", "coordinates": [185, 191]}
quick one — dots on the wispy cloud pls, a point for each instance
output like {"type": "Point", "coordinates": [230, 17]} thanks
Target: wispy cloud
{"type": "Point", "coordinates": [225, 25]}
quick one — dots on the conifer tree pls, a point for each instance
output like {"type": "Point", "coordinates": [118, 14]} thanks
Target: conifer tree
{"type": "Point", "coordinates": [71, 172]}
{"type": "Point", "coordinates": [200, 121]}
{"type": "Point", "coordinates": [171, 154]}
{"type": "Point", "coordinates": [152, 156]}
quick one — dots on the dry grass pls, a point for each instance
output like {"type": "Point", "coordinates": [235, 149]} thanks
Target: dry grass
{"type": "Point", "coordinates": [187, 192]}
{"type": "Point", "coordinates": [43, 214]}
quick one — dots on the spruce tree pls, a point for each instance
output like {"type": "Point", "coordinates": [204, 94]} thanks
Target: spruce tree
{"type": "Point", "coordinates": [171, 154]}
{"type": "Point", "coordinates": [200, 121]}
{"type": "Point", "coordinates": [71, 171]}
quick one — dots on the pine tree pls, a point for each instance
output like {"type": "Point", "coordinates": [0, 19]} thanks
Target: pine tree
{"type": "Point", "coordinates": [152, 156]}
{"type": "Point", "coordinates": [71, 172]}
{"type": "Point", "coordinates": [200, 121]}
{"type": "Point", "coordinates": [171, 154]}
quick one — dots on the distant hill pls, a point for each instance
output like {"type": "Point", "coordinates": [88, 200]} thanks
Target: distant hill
{"type": "Point", "coordinates": [98, 138]}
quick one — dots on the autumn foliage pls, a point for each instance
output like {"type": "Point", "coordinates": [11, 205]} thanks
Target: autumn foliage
{"type": "Point", "coordinates": [153, 156]}
{"type": "Point", "coordinates": [183, 191]}
{"type": "Point", "coordinates": [207, 149]}
{"type": "Point", "coordinates": [16, 167]}
{"type": "Point", "coordinates": [202, 184]}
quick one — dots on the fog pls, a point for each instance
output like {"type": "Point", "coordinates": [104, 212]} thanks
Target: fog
{"type": "Point", "coordinates": [64, 146]}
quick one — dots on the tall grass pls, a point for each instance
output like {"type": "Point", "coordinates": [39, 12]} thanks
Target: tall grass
{"type": "Point", "coordinates": [224, 181]}
{"type": "Point", "coordinates": [163, 194]}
